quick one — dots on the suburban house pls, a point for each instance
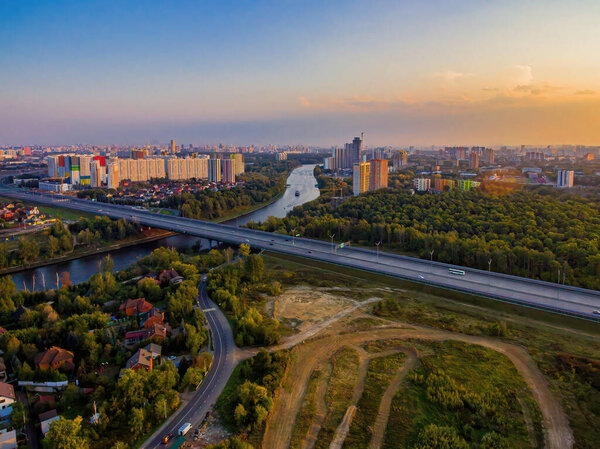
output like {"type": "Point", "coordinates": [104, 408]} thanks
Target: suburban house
{"type": "Point", "coordinates": [48, 418]}
{"type": "Point", "coordinates": [170, 276]}
{"type": "Point", "coordinates": [55, 358]}
{"type": "Point", "coordinates": [153, 316]}
{"type": "Point", "coordinates": [7, 399]}
{"type": "Point", "coordinates": [141, 359]}
{"type": "Point", "coordinates": [154, 349]}
{"type": "Point", "coordinates": [137, 306]}
{"type": "Point", "coordinates": [2, 331]}
{"type": "Point", "coordinates": [154, 330]}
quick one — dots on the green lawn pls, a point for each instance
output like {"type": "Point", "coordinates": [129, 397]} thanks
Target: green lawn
{"type": "Point", "coordinates": [472, 389]}
{"type": "Point", "coordinates": [380, 373]}
{"type": "Point", "coordinates": [339, 393]}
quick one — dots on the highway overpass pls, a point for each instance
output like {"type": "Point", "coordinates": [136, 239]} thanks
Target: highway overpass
{"type": "Point", "coordinates": [546, 295]}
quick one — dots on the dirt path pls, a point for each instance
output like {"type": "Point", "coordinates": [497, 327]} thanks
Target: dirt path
{"type": "Point", "coordinates": [321, 412]}
{"type": "Point", "coordinates": [557, 433]}
{"type": "Point", "coordinates": [528, 421]}
{"type": "Point", "coordinates": [343, 428]}
{"type": "Point", "coordinates": [386, 400]}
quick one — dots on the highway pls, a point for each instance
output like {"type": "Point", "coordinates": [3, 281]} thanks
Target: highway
{"type": "Point", "coordinates": [546, 295]}
{"type": "Point", "coordinates": [212, 386]}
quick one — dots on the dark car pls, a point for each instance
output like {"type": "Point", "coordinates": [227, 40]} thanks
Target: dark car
{"type": "Point", "coordinates": [167, 438]}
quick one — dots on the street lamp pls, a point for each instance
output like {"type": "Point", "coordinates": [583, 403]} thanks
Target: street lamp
{"type": "Point", "coordinates": [490, 265]}
{"type": "Point", "coordinates": [293, 235]}
{"type": "Point", "coordinates": [377, 245]}
{"type": "Point", "coordinates": [431, 255]}
{"type": "Point", "coordinates": [331, 237]}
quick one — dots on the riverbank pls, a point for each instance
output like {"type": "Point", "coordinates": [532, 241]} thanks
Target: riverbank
{"type": "Point", "coordinates": [157, 234]}
{"type": "Point", "coordinates": [249, 210]}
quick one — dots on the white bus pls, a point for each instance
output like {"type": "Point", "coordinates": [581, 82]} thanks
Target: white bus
{"type": "Point", "coordinates": [184, 429]}
{"type": "Point", "coordinates": [455, 271]}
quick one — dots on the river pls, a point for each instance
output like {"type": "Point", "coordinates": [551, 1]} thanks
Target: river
{"type": "Point", "coordinates": [301, 180]}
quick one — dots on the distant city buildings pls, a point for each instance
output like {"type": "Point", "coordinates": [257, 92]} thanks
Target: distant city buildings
{"type": "Point", "coordinates": [281, 156]}
{"type": "Point", "coordinates": [439, 185]}
{"type": "Point", "coordinates": [473, 160]}
{"type": "Point", "coordinates": [367, 176]}
{"type": "Point", "coordinates": [399, 160]}
{"type": "Point", "coordinates": [565, 178]}
{"type": "Point", "coordinates": [97, 171]}
{"type": "Point", "coordinates": [345, 158]}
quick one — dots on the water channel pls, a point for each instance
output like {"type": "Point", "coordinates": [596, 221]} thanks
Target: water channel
{"type": "Point", "coordinates": [301, 188]}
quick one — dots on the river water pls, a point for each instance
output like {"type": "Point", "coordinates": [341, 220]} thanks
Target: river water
{"type": "Point", "coordinates": [301, 180]}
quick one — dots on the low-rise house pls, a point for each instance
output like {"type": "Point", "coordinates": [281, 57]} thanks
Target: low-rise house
{"type": "Point", "coordinates": [141, 359]}
{"type": "Point", "coordinates": [2, 331]}
{"type": "Point", "coordinates": [137, 306]}
{"type": "Point", "coordinates": [154, 349]}
{"type": "Point", "coordinates": [154, 316]}
{"type": "Point", "coordinates": [7, 399]}
{"type": "Point", "coordinates": [55, 358]}
{"type": "Point", "coordinates": [170, 276]}
{"type": "Point", "coordinates": [46, 419]}
{"type": "Point", "coordinates": [155, 330]}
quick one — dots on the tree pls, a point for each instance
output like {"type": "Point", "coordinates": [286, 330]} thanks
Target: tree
{"type": "Point", "coordinates": [66, 434]}
{"type": "Point", "coordinates": [29, 250]}
{"type": "Point", "coordinates": [17, 416]}
{"type": "Point", "coordinates": [244, 249]}
{"type": "Point", "coordinates": [7, 287]}
{"type": "Point", "coordinates": [254, 268]}
{"type": "Point", "coordinates": [53, 245]}
{"type": "Point", "coordinates": [109, 264]}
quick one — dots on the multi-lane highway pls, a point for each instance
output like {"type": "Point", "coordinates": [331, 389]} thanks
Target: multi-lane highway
{"type": "Point", "coordinates": [208, 392]}
{"type": "Point", "coordinates": [556, 297]}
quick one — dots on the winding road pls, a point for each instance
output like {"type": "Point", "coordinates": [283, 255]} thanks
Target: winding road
{"type": "Point", "coordinates": [224, 361]}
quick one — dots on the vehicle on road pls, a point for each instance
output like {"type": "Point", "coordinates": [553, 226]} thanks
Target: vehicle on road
{"type": "Point", "coordinates": [310, 252]}
{"type": "Point", "coordinates": [167, 438]}
{"type": "Point", "coordinates": [421, 277]}
{"type": "Point", "coordinates": [596, 312]}
{"type": "Point", "coordinates": [457, 272]}
{"type": "Point", "coordinates": [297, 193]}
{"type": "Point", "coordinates": [184, 429]}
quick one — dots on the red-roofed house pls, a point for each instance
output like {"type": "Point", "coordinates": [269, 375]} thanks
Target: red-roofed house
{"type": "Point", "coordinates": [55, 358]}
{"type": "Point", "coordinates": [154, 316]}
{"type": "Point", "coordinates": [133, 307]}
{"type": "Point", "coordinates": [7, 398]}
{"type": "Point", "coordinates": [155, 330]}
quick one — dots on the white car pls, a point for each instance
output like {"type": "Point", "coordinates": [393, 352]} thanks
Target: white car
{"type": "Point", "coordinates": [596, 312]}
{"type": "Point", "coordinates": [421, 277]}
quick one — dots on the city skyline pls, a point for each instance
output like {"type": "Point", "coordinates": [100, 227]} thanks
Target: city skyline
{"type": "Point", "coordinates": [461, 72]}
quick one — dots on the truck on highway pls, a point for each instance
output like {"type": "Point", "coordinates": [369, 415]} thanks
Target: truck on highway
{"type": "Point", "coordinates": [184, 429]}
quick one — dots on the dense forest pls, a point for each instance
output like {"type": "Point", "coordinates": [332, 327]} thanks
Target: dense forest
{"type": "Point", "coordinates": [532, 233]}
{"type": "Point", "coordinates": [262, 182]}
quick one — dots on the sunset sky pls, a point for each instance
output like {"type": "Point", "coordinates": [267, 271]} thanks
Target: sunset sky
{"type": "Point", "coordinates": [307, 72]}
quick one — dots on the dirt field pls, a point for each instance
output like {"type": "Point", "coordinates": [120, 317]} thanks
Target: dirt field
{"type": "Point", "coordinates": [308, 355]}
{"type": "Point", "coordinates": [309, 305]}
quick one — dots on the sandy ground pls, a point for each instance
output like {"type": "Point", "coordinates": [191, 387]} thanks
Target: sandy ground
{"type": "Point", "coordinates": [309, 304]}
{"type": "Point", "coordinates": [307, 355]}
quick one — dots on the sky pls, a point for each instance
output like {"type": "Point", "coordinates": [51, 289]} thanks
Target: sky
{"type": "Point", "coordinates": [435, 72]}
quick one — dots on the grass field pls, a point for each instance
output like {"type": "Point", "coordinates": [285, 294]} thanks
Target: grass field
{"type": "Point", "coordinates": [470, 388]}
{"type": "Point", "coordinates": [308, 411]}
{"type": "Point", "coordinates": [339, 393]}
{"type": "Point", "coordinates": [379, 375]}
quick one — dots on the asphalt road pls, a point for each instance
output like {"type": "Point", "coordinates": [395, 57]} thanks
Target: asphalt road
{"type": "Point", "coordinates": [212, 386]}
{"type": "Point", "coordinates": [540, 294]}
